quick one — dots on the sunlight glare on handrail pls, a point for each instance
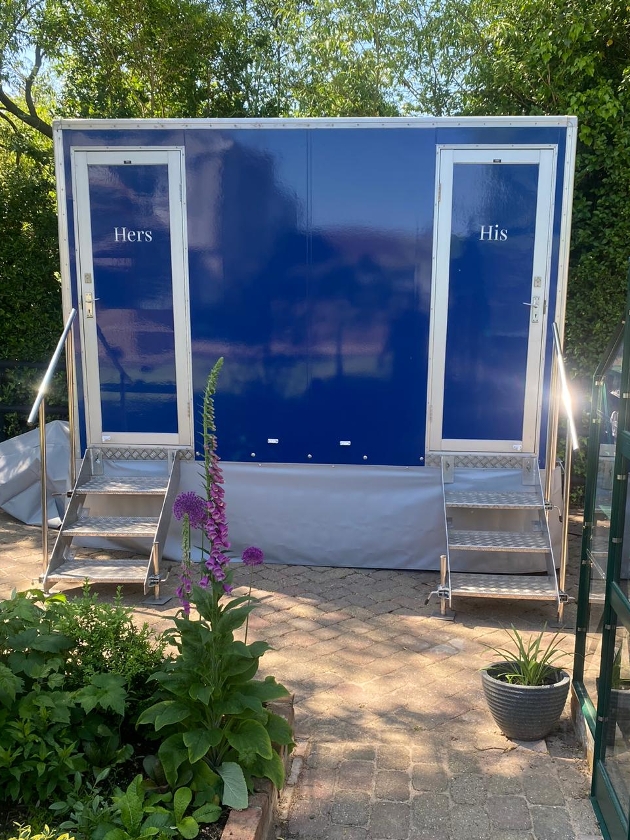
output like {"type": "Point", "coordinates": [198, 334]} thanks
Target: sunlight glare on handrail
{"type": "Point", "coordinates": [43, 388]}
{"type": "Point", "coordinates": [566, 394]}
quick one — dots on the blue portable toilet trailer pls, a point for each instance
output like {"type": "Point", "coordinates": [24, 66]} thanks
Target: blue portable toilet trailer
{"type": "Point", "coordinates": [383, 293]}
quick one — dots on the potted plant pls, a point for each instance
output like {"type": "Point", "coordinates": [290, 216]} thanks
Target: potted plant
{"type": "Point", "coordinates": [526, 691]}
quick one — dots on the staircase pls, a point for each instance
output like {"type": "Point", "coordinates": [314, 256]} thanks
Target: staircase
{"type": "Point", "coordinates": [118, 481]}
{"type": "Point", "coordinates": [497, 530]}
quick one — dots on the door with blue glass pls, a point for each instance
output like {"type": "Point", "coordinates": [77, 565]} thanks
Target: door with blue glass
{"type": "Point", "coordinates": [132, 270]}
{"type": "Point", "coordinates": [490, 298]}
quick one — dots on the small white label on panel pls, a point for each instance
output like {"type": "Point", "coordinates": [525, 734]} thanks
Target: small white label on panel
{"type": "Point", "coordinates": [106, 438]}
{"type": "Point", "coordinates": [517, 447]}
{"type": "Point", "coordinates": [345, 443]}
{"type": "Point", "coordinates": [273, 440]}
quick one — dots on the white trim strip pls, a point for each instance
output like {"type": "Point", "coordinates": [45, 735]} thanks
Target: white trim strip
{"type": "Point", "coordinates": [315, 122]}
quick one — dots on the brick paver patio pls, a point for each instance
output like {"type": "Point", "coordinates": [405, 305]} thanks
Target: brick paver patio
{"type": "Point", "coordinates": [394, 740]}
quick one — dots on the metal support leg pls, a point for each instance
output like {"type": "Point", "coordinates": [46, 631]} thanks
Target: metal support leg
{"type": "Point", "coordinates": [44, 482]}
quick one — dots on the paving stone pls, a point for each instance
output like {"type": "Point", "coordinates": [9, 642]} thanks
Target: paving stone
{"type": "Point", "coordinates": [309, 828]}
{"type": "Point", "coordinates": [392, 784]}
{"type": "Point", "coordinates": [360, 752]}
{"type": "Point", "coordinates": [356, 775]}
{"type": "Point", "coordinates": [469, 822]}
{"type": "Point", "coordinates": [393, 758]}
{"type": "Point", "coordinates": [431, 811]}
{"type": "Point", "coordinates": [542, 788]}
{"type": "Point", "coordinates": [508, 812]}
{"type": "Point", "coordinates": [469, 789]}
{"type": "Point", "coordinates": [429, 777]}
{"type": "Point", "coordinates": [582, 817]}
{"type": "Point", "coordinates": [347, 832]}
{"type": "Point", "coordinates": [390, 820]}
{"type": "Point", "coordinates": [350, 808]}
{"type": "Point", "coordinates": [551, 823]}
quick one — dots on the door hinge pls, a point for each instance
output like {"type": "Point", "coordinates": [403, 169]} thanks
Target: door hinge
{"type": "Point", "coordinates": [439, 193]}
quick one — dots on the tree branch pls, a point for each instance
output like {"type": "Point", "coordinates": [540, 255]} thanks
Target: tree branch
{"type": "Point", "coordinates": [28, 87]}
{"type": "Point", "coordinates": [31, 119]}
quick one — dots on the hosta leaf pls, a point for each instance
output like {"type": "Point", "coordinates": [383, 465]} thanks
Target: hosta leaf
{"type": "Point", "coordinates": [199, 741]}
{"type": "Point", "coordinates": [234, 786]}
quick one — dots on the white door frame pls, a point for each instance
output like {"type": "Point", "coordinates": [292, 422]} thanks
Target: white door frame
{"type": "Point", "coordinates": [173, 157]}
{"type": "Point", "coordinates": [447, 156]}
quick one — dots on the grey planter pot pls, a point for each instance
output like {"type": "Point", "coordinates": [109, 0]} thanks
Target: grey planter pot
{"type": "Point", "coordinates": [524, 712]}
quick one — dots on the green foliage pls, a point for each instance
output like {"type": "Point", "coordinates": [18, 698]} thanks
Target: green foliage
{"type": "Point", "coordinates": [557, 57]}
{"type": "Point", "coordinates": [70, 674]}
{"type": "Point", "coordinates": [529, 664]}
{"type": "Point", "coordinates": [30, 298]}
{"type": "Point", "coordinates": [50, 735]}
{"type": "Point", "coordinates": [216, 733]}
{"type": "Point", "coordinates": [106, 639]}
{"type": "Point", "coordinates": [141, 812]}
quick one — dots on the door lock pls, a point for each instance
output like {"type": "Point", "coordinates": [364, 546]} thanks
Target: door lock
{"type": "Point", "coordinates": [535, 307]}
{"type": "Point", "coordinates": [89, 304]}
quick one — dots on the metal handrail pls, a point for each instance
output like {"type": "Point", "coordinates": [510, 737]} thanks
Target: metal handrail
{"type": "Point", "coordinates": [572, 444]}
{"type": "Point", "coordinates": [39, 409]}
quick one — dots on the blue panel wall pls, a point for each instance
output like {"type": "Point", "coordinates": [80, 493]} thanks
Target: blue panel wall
{"type": "Point", "coordinates": [310, 267]}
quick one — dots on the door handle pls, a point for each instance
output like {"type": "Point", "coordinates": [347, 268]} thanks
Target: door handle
{"type": "Point", "coordinates": [89, 301]}
{"type": "Point", "coordinates": [534, 305]}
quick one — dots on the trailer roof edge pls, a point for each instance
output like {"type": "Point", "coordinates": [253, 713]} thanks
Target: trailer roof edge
{"type": "Point", "coordinates": [253, 123]}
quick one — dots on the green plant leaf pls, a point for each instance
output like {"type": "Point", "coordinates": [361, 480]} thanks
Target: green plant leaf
{"type": "Point", "coordinates": [116, 834]}
{"type": "Point", "coordinates": [197, 691]}
{"type": "Point", "coordinates": [272, 769]}
{"type": "Point", "coordinates": [188, 828]}
{"type": "Point", "coordinates": [234, 786]}
{"type": "Point", "coordinates": [207, 813]}
{"type": "Point", "coordinates": [172, 712]}
{"type": "Point", "coordinates": [172, 753]}
{"type": "Point", "coordinates": [130, 804]}
{"type": "Point", "coordinates": [199, 741]}
{"type": "Point", "coordinates": [279, 730]}
{"type": "Point", "coordinates": [181, 800]}
{"type": "Point", "coordinates": [249, 739]}
{"type": "Point", "coordinates": [266, 690]}
{"type": "Point", "coordinates": [10, 684]}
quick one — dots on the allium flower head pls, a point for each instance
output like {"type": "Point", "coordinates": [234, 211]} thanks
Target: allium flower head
{"type": "Point", "coordinates": [253, 556]}
{"type": "Point", "coordinates": [193, 506]}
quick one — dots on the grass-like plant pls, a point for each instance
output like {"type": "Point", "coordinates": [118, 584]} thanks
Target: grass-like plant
{"type": "Point", "coordinates": [530, 663]}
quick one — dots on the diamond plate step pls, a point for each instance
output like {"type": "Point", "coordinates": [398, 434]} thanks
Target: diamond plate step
{"type": "Point", "coordinates": [505, 501]}
{"type": "Point", "coordinates": [128, 570]}
{"type": "Point", "coordinates": [525, 587]}
{"type": "Point", "coordinates": [113, 526]}
{"type": "Point", "coordinates": [127, 485]}
{"type": "Point", "coordinates": [498, 541]}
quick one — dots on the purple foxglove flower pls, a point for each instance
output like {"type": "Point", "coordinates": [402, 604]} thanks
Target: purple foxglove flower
{"type": "Point", "coordinates": [227, 588]}
{"type": "Point", "coordinates": [253, 556]}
